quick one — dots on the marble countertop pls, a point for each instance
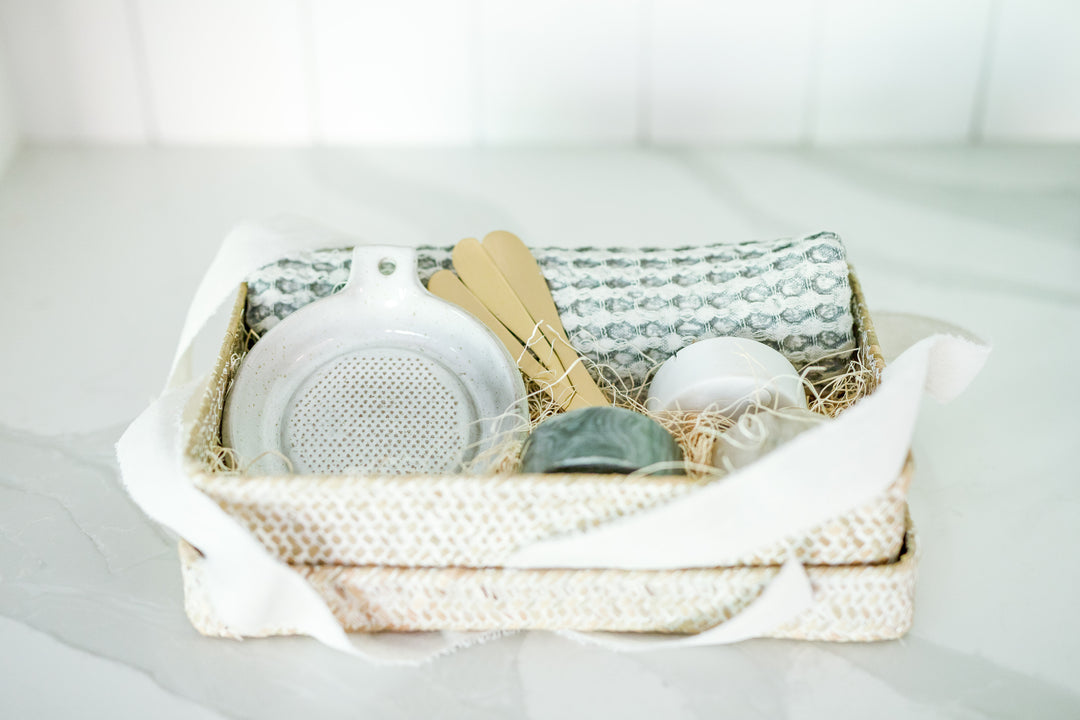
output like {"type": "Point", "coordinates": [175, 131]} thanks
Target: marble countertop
{"type": "Point", "coordinates": [100, 252]}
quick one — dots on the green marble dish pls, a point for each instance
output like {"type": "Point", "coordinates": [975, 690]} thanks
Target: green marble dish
{"type": "Point", "coordinates": [603, 440]}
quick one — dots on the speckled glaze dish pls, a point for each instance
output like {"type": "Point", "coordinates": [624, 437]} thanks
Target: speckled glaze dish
{"type": "Point", "coordinates": [381, 378]}
{"type": "Point", "coordinates": [601, 440]}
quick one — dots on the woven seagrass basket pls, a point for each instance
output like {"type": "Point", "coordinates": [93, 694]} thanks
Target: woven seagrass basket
{"type": "Point", "coordinates": [374, 549]}
{"type": "Point", "coordinates": [852, 603]}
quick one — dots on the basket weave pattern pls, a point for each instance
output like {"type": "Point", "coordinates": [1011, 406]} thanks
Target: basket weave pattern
{"type": "Point", "coordinates": [852, 603]}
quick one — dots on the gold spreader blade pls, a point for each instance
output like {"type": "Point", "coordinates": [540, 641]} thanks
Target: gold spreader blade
{"type": "Point", "coordinates": [518, 265]}
{"type": "Point", "coordinates": [480, 275]}
{"type": "Point", "coordinates": [448, 286]}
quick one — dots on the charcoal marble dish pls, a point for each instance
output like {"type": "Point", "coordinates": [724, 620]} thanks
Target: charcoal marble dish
{"type": "Point", "coordinates": [603, 440]}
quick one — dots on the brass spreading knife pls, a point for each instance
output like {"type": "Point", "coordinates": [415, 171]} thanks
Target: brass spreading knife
{"type": "Point", "coordinates": [518, 265]}
{"type": "Point", "coordinates": [448, 286]}
{"type": "Point", "coordinates": [479, 273]}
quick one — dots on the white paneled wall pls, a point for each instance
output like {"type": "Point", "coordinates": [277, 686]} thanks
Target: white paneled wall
{"type": "Point", "coordinates": [74, 69]}
{"type": "Point", "coordinates": [225, 70]}
{"type": "Point", "coordinates": [1034, 79]}
{"type": "Point", "coordinates": [904, 70]}
{"type": "Point", "coordinates": [394, 72]}
{"type": "Point", "coordinates": [730, 72]}
{"type": "Point", "coordinates": [560, 71]}
{"type": "Point", "coordinates": [496, 72]}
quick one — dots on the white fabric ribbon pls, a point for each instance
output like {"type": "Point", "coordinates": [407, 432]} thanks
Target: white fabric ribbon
{"type": "Point", "coordinates": [783, 599]}
{"type": "Point", "coordinates": [821, 474]}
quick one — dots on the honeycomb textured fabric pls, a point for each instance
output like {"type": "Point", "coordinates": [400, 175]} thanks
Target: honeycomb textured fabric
{"type": "Point", "coordinates": [629, 309]}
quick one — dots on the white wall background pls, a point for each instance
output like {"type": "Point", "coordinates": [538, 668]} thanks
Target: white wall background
{"type": "Point", "coordinates": [481, 72]}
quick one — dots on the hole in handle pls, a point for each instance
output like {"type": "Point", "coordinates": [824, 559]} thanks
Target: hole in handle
{"type": "Point", "coordinates": [387, 266]}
